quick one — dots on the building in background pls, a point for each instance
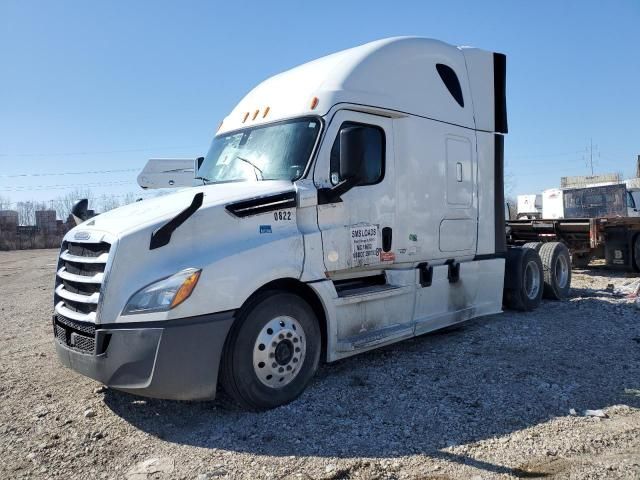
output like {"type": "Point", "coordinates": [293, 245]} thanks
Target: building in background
{"type": "Point", "coordinates": [8, 221]}
{"type": "Point", "coordinates": [46, 221]}
{"type": "Point", "coordinates": [582, 181]}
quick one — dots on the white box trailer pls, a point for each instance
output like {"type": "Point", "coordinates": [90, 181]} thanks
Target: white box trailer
{"type": "Point", "coordinates": [529, 206]}
{"type": "Point", "coordinates": [552, 204]}
{"type": "Point", "coordinates": [348, 203]}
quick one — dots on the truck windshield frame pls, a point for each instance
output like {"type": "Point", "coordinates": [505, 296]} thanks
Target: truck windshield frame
{"type": "Point", "coordinates": [274, 151]}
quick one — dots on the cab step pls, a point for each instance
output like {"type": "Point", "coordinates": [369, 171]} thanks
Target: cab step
{"type": "Point", "coordinates": [368, 340]}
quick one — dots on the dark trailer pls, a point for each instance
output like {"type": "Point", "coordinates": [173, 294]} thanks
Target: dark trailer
{"type": "Point", "coordinates": [604, 201]}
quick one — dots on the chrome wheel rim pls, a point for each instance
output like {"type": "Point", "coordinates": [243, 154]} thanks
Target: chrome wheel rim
{"type": "Point", "coordinates": [279, 352]}
{"type": "Point", "coordinates": [562, 271]}
{"type": "Point", "coordinates": [532, 280]}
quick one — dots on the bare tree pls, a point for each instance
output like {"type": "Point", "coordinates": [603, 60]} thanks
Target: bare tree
{"type": "Point", "coordinates": [129, 198]}
{"type": "Point", "coordinates": [5, 203]}
{"type": "Point", "coordinates": [26, 213]}
{"type": "Point", "coordinates": [511, 202]}
{"type": "Point", "coordinates": [106, 203]}
{"type": "Point", "coordinates": [509, 183]}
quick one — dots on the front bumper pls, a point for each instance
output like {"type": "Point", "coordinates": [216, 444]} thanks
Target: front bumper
{"type": "Point", "coordinates": [175, 359]}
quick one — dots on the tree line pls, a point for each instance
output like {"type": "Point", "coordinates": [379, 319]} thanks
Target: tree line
{"type": "Point", "coordinates": [63, 204]}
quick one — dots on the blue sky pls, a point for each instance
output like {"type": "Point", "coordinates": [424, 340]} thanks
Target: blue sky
{"type": "Point", "coordinates": [94, 86]}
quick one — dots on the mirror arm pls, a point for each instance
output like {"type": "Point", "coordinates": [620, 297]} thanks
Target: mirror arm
{"type": "Point", "coordinates": [333, 194]}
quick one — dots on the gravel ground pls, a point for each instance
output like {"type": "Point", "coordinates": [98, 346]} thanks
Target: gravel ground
{"type": "Point", "coordinates": [489, 400]}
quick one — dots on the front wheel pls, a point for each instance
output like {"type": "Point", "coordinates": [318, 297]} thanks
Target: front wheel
{"type": "Point", "coordinates": [272, 351]}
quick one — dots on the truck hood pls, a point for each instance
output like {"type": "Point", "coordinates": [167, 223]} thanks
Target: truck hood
{"type": "Point", "coordinates": [140, 214]}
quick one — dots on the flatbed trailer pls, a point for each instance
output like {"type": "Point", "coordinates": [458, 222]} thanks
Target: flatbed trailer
{"type": "Point", "coordinates": [617, 240]}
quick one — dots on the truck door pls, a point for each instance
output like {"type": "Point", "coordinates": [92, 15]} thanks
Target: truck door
{"type": "Point", "coordinates": [357, 231]}
{"type": "Point", "coordinates": [459, 225]}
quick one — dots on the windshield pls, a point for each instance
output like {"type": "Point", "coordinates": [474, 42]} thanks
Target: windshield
{"type": "Point", "coordinates": [272, 152]}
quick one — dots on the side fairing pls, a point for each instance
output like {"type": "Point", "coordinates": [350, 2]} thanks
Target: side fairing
{"type": "Point", "coordinates": [435, 191]}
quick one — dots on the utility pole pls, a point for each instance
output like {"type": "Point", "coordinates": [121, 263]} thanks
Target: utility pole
{"type": "Point", "coordinates": [590, 149]}
{"type": "Point", "coordinates": [638, 168]}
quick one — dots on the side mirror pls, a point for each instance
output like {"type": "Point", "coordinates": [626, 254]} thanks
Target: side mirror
{"type": "Point", "coordinates": [352, 152]}
{"type": "Point", "coordinates": [352, 142]}
{"type": "Point", "coordinates": [80, 211]}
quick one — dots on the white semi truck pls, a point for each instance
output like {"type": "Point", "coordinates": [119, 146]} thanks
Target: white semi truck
{"type": "Point", "coordinates": [349, 203]}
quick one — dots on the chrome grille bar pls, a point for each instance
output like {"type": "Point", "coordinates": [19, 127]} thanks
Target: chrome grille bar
{"type": "Point", "coordinates": [102, 258]}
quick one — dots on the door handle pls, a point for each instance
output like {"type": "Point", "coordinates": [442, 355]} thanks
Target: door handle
{"type": "Point", "coordinates": [386, 239]}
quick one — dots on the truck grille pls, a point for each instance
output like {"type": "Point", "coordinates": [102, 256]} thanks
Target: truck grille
{"type": "Point", "coordinates": [79, 279]}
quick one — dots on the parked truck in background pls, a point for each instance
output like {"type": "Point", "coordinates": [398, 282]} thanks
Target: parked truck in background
{"type": "Point", "coordinates": [597, 221]}
{"type": "Point", "coordinates": [346, 204]}
{"type": "Point", "coordinates": [529, 206]}
{"type": "Point", "coordinates": [633, 187]}
{"type": "Point", "coordinates": [591, 201]}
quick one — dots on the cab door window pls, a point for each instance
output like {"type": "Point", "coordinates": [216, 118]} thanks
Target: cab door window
{"type": "Point", "coordinates": [374, 155]}
{"type": "Point", "coordinates": [631, 203]}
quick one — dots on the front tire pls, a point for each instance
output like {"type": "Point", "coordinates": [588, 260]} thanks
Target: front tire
{"type": "Point", "coordinates": [272, 351]}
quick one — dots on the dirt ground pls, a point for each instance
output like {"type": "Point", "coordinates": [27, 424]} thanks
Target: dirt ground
{"type": "Point", "coordinates": [493, 399]}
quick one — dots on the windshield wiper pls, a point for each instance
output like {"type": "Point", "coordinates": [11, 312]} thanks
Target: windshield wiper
{"type": "Point", "coordinates": [253, 165]}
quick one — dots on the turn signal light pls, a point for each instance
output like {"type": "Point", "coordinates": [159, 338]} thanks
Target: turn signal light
{"type": "Point", "coordinates": [314, 103]}
{"type": "Point", "coordinates": [185, 289]}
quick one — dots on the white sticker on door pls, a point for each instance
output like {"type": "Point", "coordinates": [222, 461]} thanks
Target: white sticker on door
{"type": "Point", "coordinates": [365, 245]}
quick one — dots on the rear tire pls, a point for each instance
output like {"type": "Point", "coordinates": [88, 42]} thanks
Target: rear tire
{"type": "Point", "coordinates": [533, 245]}
{"type": "Point", "coordinates": [272, 351]}
{"type": "Point", "coordinates": [556, 263]}
{"type": "Point", "coordinates": [523, 283]}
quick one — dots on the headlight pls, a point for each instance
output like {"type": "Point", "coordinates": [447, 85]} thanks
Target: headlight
{"type": "Point", "coordinates": [164, 294]}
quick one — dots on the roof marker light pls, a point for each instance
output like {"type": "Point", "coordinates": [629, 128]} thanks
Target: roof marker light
{"type": "Point", "coordinates": [266, 111]}
{"type": "Point", "coordinates": [255, 114]}
{"type": "Point", "coordinates": [314, 103]}
{"type": "Point", "coordinates": [246, 115]}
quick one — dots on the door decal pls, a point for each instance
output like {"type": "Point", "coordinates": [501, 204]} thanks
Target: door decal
{"type": "Point", "coordinates": [365, 245]}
